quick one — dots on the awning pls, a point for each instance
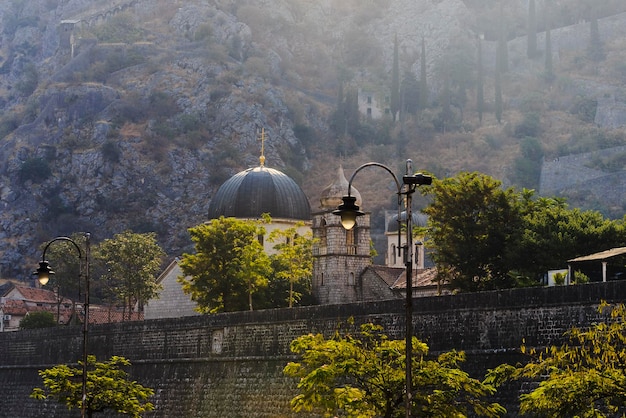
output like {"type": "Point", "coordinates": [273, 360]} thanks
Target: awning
{"type": "Point", "coordinates": [602, 255]}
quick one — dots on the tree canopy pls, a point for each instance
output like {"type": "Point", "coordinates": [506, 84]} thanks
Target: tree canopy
{"type": "Point", "coordinates": [474, 226]}
{"type": "Point", "coordinates": [228, 267]}
{"type": "Point", "coordinates": [583, 378]}
{"type": "Point", "coordinates": [108, 387]}
{"type": "Point", "coordinates": [132, 262]}
{"type": "Point", "coordinates": [41, 319]}
{"type": "Point", "coordinates": [490, 237]}
{"type": "Point", "coordinates": [293, 260]}
{"type": "Point", "coordinates": [363, 375]}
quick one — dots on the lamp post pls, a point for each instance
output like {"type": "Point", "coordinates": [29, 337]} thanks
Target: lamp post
{"type": "Point", "coordinates": [349, 211]}
{"type": "Point", "coordinates": [43, 275]}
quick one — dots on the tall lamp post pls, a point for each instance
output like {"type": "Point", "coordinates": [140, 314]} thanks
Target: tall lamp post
{"type": "Point", "coordinates": [43, 275]}
{"type": "Point", "coordinates": [349, 211]}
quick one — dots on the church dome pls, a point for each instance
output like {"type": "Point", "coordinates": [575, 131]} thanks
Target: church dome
{"type": "Point", "coordinates": [332, 194]}
{"type": "Point", "coordinates": [417, 218]}
{"type": "Point", "coordinates": [255, 191]}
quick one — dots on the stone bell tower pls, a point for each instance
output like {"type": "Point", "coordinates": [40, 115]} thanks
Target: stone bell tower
{"type": "Point", "coordinates": [339, 256]}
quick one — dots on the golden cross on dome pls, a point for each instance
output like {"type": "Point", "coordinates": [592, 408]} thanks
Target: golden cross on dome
{"type": "Point", "coordinates": [262, 158]}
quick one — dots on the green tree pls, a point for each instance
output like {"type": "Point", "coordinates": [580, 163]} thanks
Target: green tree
{"type": "Point", "coordinates": [41, 319]}
{"type": "Point", "coordinates": [548, 66]}
{"type": "Point", "coordinates": [132, 262]}
{"type": "Point", "coordinates": [394, 104]}
{"type": "Point", "coordinates": [480, 90]}
{"type": "Point", "coordinates": [474, 226]}
{"type": "Point", "coordinates": [531, 33]}
{"type": "Point", "coordinates": [553, 233]}
{"type": "Point", "coordinates": [584, 377]}
{"type": "Point", "coordinates": [294, 259]}
{"type": "Point", "coordinates": [595, 51]}
{"type": "Point", "coordinates": [228, 267]}
{"type": "Point", "coordinates": [363, 376]}
{"type": "Point", "coordinates": [423, 79]}
{"type": "Point", "coordinates": [108, 387]}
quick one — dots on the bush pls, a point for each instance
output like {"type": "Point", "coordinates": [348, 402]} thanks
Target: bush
{"type": "Point", "coordinates": [529, 126]}
{"type": "Point", "coordinates": [34, 320]}
{"type": "Point", "coordinates": [111, 152]}
{"type": "Point", "coordinates": [35, 169]}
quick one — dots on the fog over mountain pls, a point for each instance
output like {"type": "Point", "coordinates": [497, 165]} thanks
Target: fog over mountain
{"type": "Point", "coordinates": [119, 115]}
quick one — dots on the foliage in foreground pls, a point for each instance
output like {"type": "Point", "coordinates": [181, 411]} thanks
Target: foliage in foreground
{"type": "Point", "coordinates": [363, 375]}
{"type": "Point", "coordinates": [583, 378]}
{"type": "Point", "coordinates": [108, 387]}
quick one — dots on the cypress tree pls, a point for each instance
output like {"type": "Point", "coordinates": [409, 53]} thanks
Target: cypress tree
{"type": "Point", "coordinates": [501, 50]}
{"type": "Point", "coordinates": [394, 105]}
{"type": "Point", "coordinates": [480, 100]}
{"type": "Point", "coordinates": [596, 49]}
{"type": "Point", "coordinates": [423, 80]}
{"type": "Point", "coordinates": [531, 36]}
{"type": "Point", "coordinates": [549, 73]}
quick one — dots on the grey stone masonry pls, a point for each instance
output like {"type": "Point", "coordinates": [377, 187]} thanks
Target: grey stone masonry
{"type": "Point", "coordinates": [230, 365]}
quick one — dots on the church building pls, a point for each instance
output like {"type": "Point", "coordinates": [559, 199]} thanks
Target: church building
{"type": "Point", "coordinates": [342, 263]}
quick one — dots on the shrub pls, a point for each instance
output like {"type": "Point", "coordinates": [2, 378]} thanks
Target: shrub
{"type": "Point", "coordinates": [35, 169]}
{"type": "Point", "coordinates": [111, 152]}
{"type": "Point", "coordinates": [41, 319]}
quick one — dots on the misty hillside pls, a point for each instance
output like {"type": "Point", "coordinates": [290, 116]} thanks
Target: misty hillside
{"type": "Point", "coordinates": [129, 114]}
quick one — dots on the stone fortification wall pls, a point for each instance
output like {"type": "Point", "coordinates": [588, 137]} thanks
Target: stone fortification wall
{"type": "Point", "coordinates": [231, 364]}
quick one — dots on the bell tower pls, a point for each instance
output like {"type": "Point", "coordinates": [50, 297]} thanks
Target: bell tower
{"type": "Point", "coordinates": [339, 256]}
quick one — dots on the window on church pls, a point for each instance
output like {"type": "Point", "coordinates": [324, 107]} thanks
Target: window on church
{"type": "Point", "coordinates": [321, 279]}
{"type": "Point", "coordinates": [260, 238]}
{"type": "Point", "coordinates": [350, 246]}
{"type": "Point", "coordinates": [393, 254]}
{"type": "Point", "coordinates": [351, 281]}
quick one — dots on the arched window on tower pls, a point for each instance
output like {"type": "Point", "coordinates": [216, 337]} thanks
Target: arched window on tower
{"type": "Point", "coordinates": [392, 256]}
{"type": "Point", "coordinates": [350, 242]}
{"type": "Point", "coordinates": [351, 281]}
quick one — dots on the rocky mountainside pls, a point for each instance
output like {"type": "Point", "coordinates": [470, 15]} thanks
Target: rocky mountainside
{"type": "Point", "coordinates": [129, 114]}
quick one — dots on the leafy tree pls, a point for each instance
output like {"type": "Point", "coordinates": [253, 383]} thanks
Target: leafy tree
{"type": "Point", "coordinates": [228, 267]}
{"type": "Point", "coordinates": [108, 387]}
{"type": "Point", "coordinates": [474, 228]}
{"type": "Point", "coordinates": [527, 167]}
{"type": "Point", "coordinates": [41, 319]}
{"type": "Point", "coordinates": [132, 262]}
{"type": "Point", "coordinates": [363, 375]}
{"type": "Point", "coordinates": [584, 377]}
{"type": "Point", "coordinates": [294, 259]}
{"type": "Point", "coordinates": [554, 233]}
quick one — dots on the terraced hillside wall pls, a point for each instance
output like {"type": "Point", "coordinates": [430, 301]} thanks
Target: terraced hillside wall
{"type": "Point", "coordinates": [230, 365]}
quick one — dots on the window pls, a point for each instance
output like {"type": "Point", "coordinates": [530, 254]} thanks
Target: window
{"type": "Point", "coordinates": [350, 246]}
{"type": "Point", "coordinates": [369, 99]}
{"type": "Point", "coordinates": [351, 281]}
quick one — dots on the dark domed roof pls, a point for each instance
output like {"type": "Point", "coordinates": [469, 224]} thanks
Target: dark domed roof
{"type": "Point", "coordinates": [255, 191]}
{"type": "Point", "coordinates": [418, 219]}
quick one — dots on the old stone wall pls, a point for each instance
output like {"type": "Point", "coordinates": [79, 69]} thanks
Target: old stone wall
{"type": "Point", "coordinates": [230, 365]}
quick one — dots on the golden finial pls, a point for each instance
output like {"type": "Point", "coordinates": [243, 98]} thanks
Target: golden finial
{"type": "Point", "coordinates": [262, 158]}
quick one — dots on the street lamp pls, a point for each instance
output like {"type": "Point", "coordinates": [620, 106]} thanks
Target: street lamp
{"type": "Point", "coordinates": [43, 274]}
{"type": "Point", "coordinates": [349, 212]}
